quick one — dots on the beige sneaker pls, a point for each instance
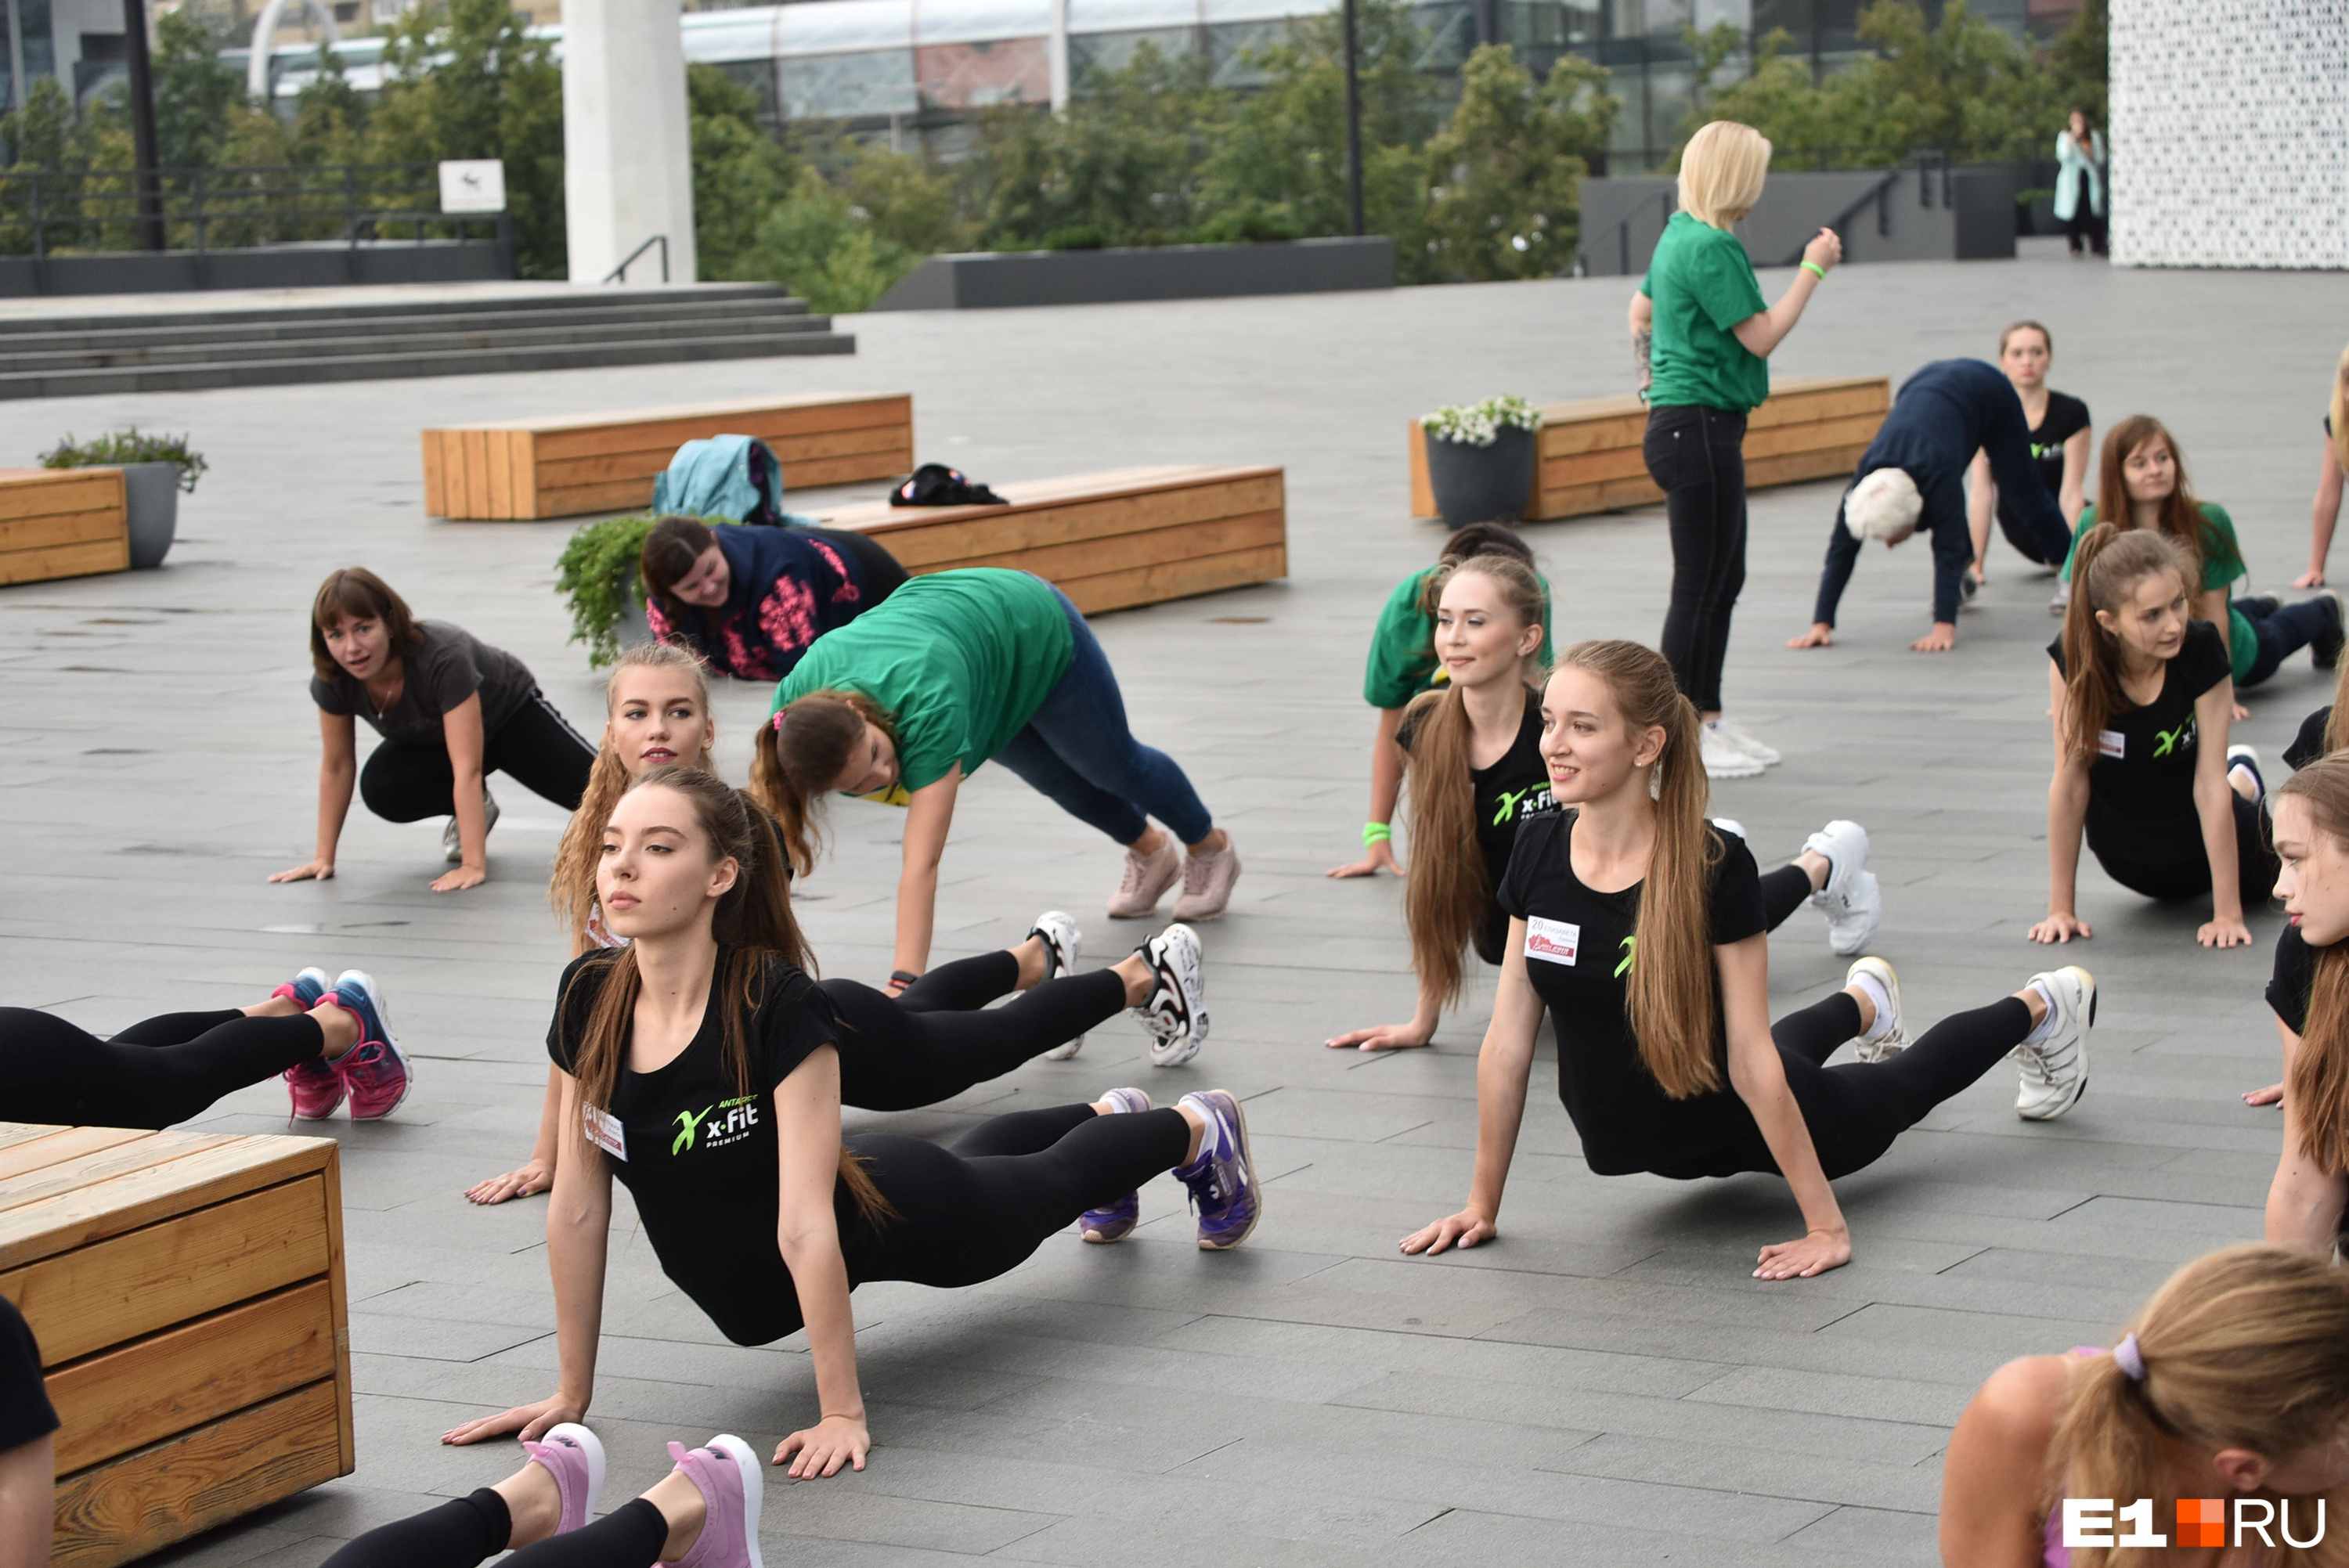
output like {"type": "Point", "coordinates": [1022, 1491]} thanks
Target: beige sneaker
{"type": "Point", "coordinates": [1207, 879]}
{"type": "Point", "coordinates": [1146, 879]}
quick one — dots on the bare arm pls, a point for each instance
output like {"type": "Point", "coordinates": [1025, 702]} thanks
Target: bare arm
{"type": "Point", "coordinates": [1993, 1476]}
{"type": "Point", "coordinates": [2067, 814]}
{"type": "Point", "coordinates": [461, 731]}
{"type": "Point", "coordinates": [2071, 493]}
{"type": "Point", "coordinates": [1643, 338]}
{"type": "Point", "coordinates": [27, 1502]}
{"type": "Point", "coordinates": [807, 1132]}
{"type": "Point", "coordinates": [2323, 515]}
{"type": "Point", "coordinates": [1982, 505]}
{"type": "Point", "coordinates": [1766, 330]}
{"type": "Point", "coordinates": [2305, 1203]}
{"type": "Point", "coordinates": [1386, 790]}
{"type": "Point", "coordinates": [1759, 1077]}
{"type": "Point", "coordinates": [2214, 803]}
{"type": "Point", "coordinates": [578, 1232]}
{"type": "Point", "coordinates": [1503, 1068]}
{"type": "Point", "coordinates": [338, 771]}
{"type": "Point", "coordinates": [929, 815]}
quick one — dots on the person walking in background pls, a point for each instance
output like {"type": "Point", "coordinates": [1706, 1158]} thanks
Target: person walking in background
{"type": "Point", "coordinates": [2080, 182]}
{"type": "Point", "coordinates": [2326, 511]}
{"type": "Point", "coordinates": [2062, 445]}
{"type": "Point", "coordinates": [1699, 314]}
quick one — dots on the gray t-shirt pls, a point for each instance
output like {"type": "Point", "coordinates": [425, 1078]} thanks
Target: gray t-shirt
{"type": "Point", "coordinates": [450, 665]}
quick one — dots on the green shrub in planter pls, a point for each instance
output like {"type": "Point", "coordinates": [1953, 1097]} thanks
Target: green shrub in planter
{"type": "Point", "coordinates": [124, 448]}
{"type": "Point", "coordinates": [597, 571]}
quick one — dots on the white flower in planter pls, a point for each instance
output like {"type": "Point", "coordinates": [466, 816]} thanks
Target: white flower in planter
{"type": "Point", "coordinates": [1481, 424]}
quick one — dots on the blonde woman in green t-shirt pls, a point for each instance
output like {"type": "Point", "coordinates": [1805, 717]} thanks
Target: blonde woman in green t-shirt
{"type": "Point", "coordinates": [1703, 337]}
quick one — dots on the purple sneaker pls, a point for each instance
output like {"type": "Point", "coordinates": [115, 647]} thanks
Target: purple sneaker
{"type": "Point", "coordinates": [726, 1472]}
{"type": "Point", "coordinates": [1116, 1221]}
{"type": "Point", "coordinates": [374, 1071]}
{"type": "Point", "coordinates": [1223, 1179]}
{"type": "Point", "coordinates": [572, 1455]}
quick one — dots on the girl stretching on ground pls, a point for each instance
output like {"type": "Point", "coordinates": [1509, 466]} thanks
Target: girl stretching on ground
{"type": "Point", "coordinates": [1476, 772]}
{"type": "Point", "coordinates": [928, 1043]}
{"type": "Point", "coordinates": [2310, 995]}
{"type": "Point", "coordinates": [2231, 1385]}
{"type": "Point", "coordinates": [1638, 925]}
{"type": "Point", "coordinates": [2322, 732]}
{"type": "Point", "coordinates": [2142, 700]}
{"type": "Point", "coordinates": [451, 710]}
{"type": "Point", "coordinates": [1405, 663]}
{"type": "Point", "coordinates": [908, 700]}
{"type": "Point", "coordinates": [750, 598]}
{"type": "Point", "coordinates": [701, 1066]}
{"type": "Point", "coordinates": [326, 1037]}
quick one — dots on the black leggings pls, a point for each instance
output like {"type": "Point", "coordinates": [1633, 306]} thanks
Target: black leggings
{"type": "Point", "coordinates": [1697, 456]}
{"type": "Point", "coordinates": [935, 1041]}
{"type": "Point", "coordinates": [407, 782]}
{"type": "Point", "coordinates": [158, 1071]}
{"type": "Point", "coordinates": [2186, 871]}
{"type": "Point", "coordinates": [1854, 1110]}
{"type": "Point", "coordinates": [475, 1529]}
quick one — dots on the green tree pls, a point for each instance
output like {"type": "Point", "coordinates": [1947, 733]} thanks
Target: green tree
{"type": "Point", "coordinates": [466, 81]}
{"type": "Point", "coordinates": [196, 97]}
{"type": "Point", "coordinates": [1504, 176]}
{"type": "Point", "coordinates": [739, 172]}
{"type": "Point", "coordinates": [330, 118]}
{"type": "Point", "coordinates": [2078, 58]}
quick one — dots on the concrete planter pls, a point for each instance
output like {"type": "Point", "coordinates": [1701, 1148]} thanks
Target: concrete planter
{"type": "Point", "coordinates": [1482, 484]}
{"type": "Point", "coordinates": [633, 628]}
{"type": "Point", "coordinates": [151, 494]}
{"type": "Point", "coordinates": [986, 279]}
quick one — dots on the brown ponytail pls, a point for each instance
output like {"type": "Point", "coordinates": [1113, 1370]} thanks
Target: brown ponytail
{"type": "Point", "coordinates": [754, 924]}
{"type": "Point", "coordinates": [2336, 723]}
{"type": "Point", "coordinates": [572, 890]}
{"type": "Point", "coordinates": [799, 752]}
{"type": "Point", "coordinates": [2320, 1069]}
{"type": "Point", "coordinates": [2248, 1348]}
{"type": "Point", "coordinates": [1673, 991]}
{"type": "Point", "coordinates": [1447, 887]}
{"type": "Point", "coordinates": [2105, 570]}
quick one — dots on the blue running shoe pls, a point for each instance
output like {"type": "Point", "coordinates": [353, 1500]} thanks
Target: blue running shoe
{"type": "Point", "coordinates": [1223, 1178]}
{"type": "Point", "coordinates": [304, 989]}
{"type": "Point", "coordinates": [1116, 1221]}
{"type": "Point", "coordinates": [374, 1071]}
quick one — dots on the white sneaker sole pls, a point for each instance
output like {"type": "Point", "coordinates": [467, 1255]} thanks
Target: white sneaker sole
{"type": "Point", "coordinates": [1191, 983]}
{"type": "Point", "coordinates": [2087, 1018]}
{"type": "Point", "coordinates": [754, 1489]}
{"type": "Point", "coordinates": [1064, 963]}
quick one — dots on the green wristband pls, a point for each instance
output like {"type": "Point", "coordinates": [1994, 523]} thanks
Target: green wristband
{"type": "Point", "coordinates": [1815, 270]}
{"type": "Point", "coordinates": [1376, 833]}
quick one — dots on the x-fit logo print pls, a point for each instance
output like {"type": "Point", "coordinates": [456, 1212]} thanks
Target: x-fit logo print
{"type": "Point", "coordinates": [1630, 951]}
{"type": "Point", "coordinates": [687, 1122]}
{"type": "Point", "coordinates": [2168, 740]}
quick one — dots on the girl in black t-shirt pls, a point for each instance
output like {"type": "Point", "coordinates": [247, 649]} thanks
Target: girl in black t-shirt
{"type": "Point", "coordinates": [700, 1066]}
{"type": "Point", "coordinates": [1639, 927]}
{"type": "Point", "coordinates": [2310, 995]}
{"type": "Point", "coordinates": [2143, 697]}
{"type": "Point", "coordinates": [2061, 438]}
{"type": "Point", "coordinates": [451, 710]}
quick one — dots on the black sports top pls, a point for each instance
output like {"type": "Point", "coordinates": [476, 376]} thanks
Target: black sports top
{"type": "Point", "coordinates": [2141, 784]}
{"type": "Point", "coordinates": [2067, 417]}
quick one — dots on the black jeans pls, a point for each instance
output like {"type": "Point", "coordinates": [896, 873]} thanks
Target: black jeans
{"type": "Point", "coordinates": [1697, 456]}
{"type": "Point", "coordinates": [1855, 1111]}
{"type": "Point", "coordinates": [2283, 630]}
{"type": "Point", "coordinates": [2184, 872]}
{"type": "Point", "coordinates": [404, 781]}
{"type": "Point", "coordinates": [155, 1072]}
{"type": "Point", "coordinates": [2087, 223]}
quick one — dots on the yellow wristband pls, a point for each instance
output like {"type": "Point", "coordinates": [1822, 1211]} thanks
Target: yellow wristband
{"type": "Point", "coordinates": [1815, 270]}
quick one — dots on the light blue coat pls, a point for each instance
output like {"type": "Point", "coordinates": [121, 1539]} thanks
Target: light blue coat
{"type": "Point", "coordinates": [2078, 168]}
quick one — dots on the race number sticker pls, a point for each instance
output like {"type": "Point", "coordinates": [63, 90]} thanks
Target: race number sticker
{"type": "Point", "coordinates": [2111, 743]}
{"type": "Point", "coordinates": [604, 1131]}
{"type": "Point", "coordinates": [1552, 940]}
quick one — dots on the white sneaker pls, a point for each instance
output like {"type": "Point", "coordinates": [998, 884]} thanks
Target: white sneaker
{"type": "Point", "coordinates": [1889, 1038]}
{"type": "Point", "coordinates": [1175, 1011]}
{"type": "Point", "coordinates": [1737, 736]}
{"type": "Point", "coordinates": [1852, 899]}
{"type": "Point", "coordinates": [1721, 756]}
{"type": "Point", "coordinates": [2246, 759]}
{"type": "Point", "coordinates": [2061, 603]}
{"type": "Point", "coordinates": [2055, 1069]}
{"type": "Point", "coordinates": [1062, 942]}
{"type": "Point", "coordinates": [451, 846]}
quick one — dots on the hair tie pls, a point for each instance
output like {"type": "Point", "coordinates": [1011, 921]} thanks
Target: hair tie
{"type": "Point", "coordinates": [2129, 1359]}
{"type": "Point", "coordinates": [775, 719]}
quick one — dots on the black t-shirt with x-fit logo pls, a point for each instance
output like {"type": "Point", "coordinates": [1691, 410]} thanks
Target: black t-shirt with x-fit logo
{"type": "Point", "coordinates": [1510, 792]}
{"type": "Point", "coordinates": [2141, 785]}
{"type": "Point", "coordinates": [1579, 950]}
{"type": "Point", "coordinates": [698, 1156]}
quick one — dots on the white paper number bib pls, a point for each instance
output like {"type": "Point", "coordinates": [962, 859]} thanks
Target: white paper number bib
{"type": "Point", "coordinates": [2111, 743]}
{"type": "Point", "coordinates": [604, 1131]}
{"type": "Point", "coordinates": [1552, 940]}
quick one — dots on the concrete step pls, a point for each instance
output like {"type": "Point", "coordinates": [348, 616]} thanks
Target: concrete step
{"type": "Point", "coordinates": [43, 336]}
{"type": "Point", "coordinates": [554, 297]}
{"type": "Point", "coordinates": [453, 338]}
{"type": "Point", "coordinates": [386, 365]}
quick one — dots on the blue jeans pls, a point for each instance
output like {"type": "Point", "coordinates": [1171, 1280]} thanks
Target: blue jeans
{"type": "Point", "coordinates": [1077, 750]}
{"type": "Point", "coordinates": [2283, 629]}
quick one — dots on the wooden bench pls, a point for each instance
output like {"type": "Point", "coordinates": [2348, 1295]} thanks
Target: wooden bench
{"type": "Point", "coordinates": [1108, 540]}
{"type": "Point", "coordinates": [1811, 428]}
{"type": "Point", "coordinates": [187, 1291]}
{"type": "Point", "coordinates": [62, 522]}
{"type": "Point", "coordinates": [533, 469]}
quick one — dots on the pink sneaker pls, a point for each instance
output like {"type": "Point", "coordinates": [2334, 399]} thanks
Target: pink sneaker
{"type": "Point", "coordinates": [317, 1089]}
{"type": "Point", "coordinates": [374, 1071]}
{"type": "Point", "coordinates": [725, 1473]}
{"type": "Point", "coordinates": [1207, 879]}
{"type": "Point", "coordinates": [572, 1455]}
{"type": "Point", "coordinates": [1146, 879]}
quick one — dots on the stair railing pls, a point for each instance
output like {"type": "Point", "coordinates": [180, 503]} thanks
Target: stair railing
{"type": "Point", "coordinates": [619, 274]}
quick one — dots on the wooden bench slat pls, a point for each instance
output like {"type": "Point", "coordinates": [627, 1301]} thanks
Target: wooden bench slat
{"type": "Point", "coordinates": [796, 453]}
{"type": "Point", "coordinates": [113, 1512]}
{"type": "Point", "coordinates": [47, 492]}
{"type": "Point", "coordinates": [65, 561]}
{"type": "Point", "coordinates": [984, 531]}
{"type": "Point", "coordinates": [1066, 563]}
{"type": "Point", "coordinates": [101, 1295]}
{"type": "Point", "coordinates": [90, 1213]}
{"type": "Point", "coordinates": [65, 1171]}
{"type": "Point", "coordinates": [139, 1392]}
{"type": "Point", "coordinates": [1176, 579]}
{"type": "Point", "coordinates": [658, 439]}
{"type": "Point", "coordinates": [726, 407]}
{"type": "Point", "coordinates": [41, 1147]}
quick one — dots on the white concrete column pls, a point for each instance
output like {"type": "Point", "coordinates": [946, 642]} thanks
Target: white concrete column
{"type": "Point", "coordinates": [627, 157]}
{"type": "Point", "coordinates": [1056, 55]}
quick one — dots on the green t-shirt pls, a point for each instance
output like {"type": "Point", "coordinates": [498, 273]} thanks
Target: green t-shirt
{"type": "Point", "coordinates": [1402, 645]}
{"type": "Point", "coordinates": [2222, 567]}
{"type": "Point", "coordinates": [1702, 285]}
{"type": "Point", "coordinates": [960, 661]}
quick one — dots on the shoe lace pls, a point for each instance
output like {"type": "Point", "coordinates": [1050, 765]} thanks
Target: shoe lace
{"type": "Point", "coordinates": [1136, 867]}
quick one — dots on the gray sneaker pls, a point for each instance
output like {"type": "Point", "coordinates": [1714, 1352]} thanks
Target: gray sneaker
{"type": "Point", "coordinates": [451, 846]}
{"type": "Point", "coordinates": [2055, 1070]}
